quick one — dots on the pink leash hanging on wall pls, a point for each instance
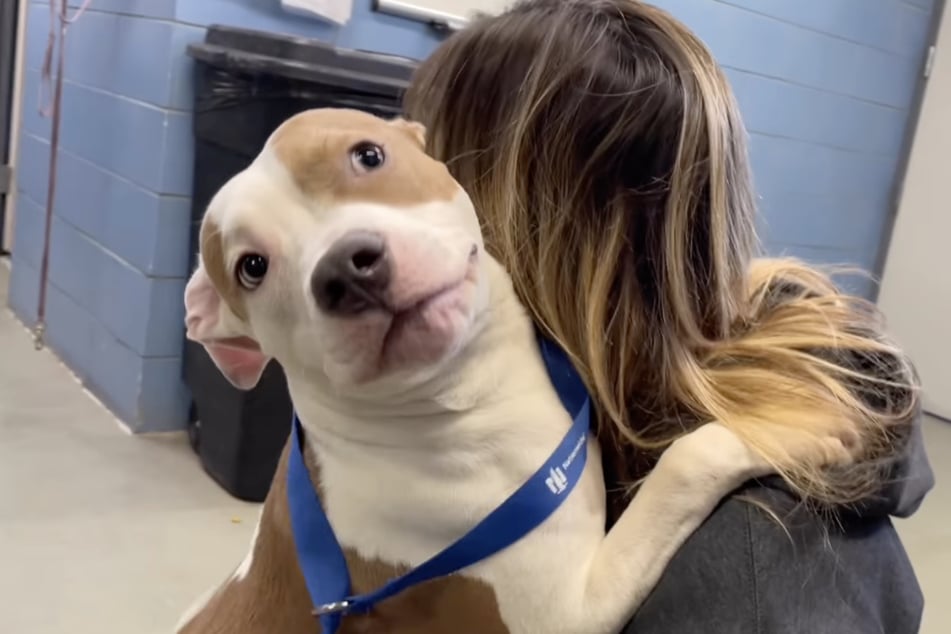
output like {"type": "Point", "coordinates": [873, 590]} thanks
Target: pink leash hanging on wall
{"type": "Point", "coordinates": [59, 13]}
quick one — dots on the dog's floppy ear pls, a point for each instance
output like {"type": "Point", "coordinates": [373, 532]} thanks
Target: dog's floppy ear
{"type": "Point", "coordinates": [216, 319]}
{"type": "Point", "coordinates": [210, 322]}
{"type": "Point", "coordinates": [416, 131]}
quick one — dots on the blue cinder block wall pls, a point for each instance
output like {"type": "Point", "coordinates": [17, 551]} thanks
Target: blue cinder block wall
{"type": "Point", "coordinates": [826, 87]}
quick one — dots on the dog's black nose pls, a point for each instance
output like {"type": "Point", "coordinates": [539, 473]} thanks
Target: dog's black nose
{"type": "Point", "coordinates": [353, 275]}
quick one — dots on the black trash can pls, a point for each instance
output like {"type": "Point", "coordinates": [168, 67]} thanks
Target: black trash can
{"type": "Point", "coordinates": [248, 83]}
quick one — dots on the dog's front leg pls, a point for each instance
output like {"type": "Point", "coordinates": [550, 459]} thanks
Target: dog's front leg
{"type": "Point", "coordinates": [690, 479]}
{"type": "Point", "coordinates": [266, 594]}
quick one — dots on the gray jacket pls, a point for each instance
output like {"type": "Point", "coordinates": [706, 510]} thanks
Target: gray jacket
{"type": "Point", "coordinates": [740, 573]}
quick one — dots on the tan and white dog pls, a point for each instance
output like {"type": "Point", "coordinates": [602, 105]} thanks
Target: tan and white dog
{"type": "Point", "coordinates": [355, 260]}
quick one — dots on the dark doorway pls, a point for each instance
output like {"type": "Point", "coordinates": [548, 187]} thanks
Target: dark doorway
{"type": "Point", "coordinates": [8, 48]}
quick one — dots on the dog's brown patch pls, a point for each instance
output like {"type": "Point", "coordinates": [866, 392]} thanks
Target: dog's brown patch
{"type": "Point", "coordinates": [273, 598]}
{"type": "Point", "coordinates": [416, 130]}
{"type": "Point", "coordinates": [316, 146]}
{"type": "Point", "coordinates": [213, 259]}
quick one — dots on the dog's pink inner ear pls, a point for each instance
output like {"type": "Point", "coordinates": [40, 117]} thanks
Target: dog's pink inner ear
{"type": "Point", "coordinates": [240, 360]}
{"type": "Point", "coordinates": [210, 323]}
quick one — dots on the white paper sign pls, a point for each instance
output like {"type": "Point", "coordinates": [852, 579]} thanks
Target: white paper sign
{"type": "Point", "coordinates": [337, 11]}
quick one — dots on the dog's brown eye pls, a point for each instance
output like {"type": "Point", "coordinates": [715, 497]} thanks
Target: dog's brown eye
{"type": "Point", "coordinates": [367, 157]}
{"type": "Point", "coordinates": [251, 270]}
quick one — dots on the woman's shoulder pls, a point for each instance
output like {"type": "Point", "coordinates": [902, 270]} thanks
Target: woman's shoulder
{"type": "Point", "coordinates": [742, 571]}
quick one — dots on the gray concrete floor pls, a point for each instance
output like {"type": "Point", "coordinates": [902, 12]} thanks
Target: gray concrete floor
{"type": "Point", "coordinates": [104, 532]}
{"type": "Point", "coordinates": [100, 531]}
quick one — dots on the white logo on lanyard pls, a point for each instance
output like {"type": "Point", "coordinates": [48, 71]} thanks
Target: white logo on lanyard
{"type": "Point", "coordinates": [557, 481]}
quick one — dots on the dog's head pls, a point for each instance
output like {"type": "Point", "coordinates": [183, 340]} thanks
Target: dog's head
{"type": "Point", "coordinates": [343, 251]}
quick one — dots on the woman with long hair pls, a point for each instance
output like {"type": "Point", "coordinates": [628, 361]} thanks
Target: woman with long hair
{"type": "Point", "coordinates": [603, 149]}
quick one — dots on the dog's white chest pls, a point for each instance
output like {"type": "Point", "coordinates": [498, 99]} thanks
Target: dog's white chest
{"type": "Point", "coordinates": [404, 507]}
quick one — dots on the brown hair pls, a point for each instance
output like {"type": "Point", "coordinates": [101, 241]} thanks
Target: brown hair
{"type": "Point", "coordinates": [605, 153]}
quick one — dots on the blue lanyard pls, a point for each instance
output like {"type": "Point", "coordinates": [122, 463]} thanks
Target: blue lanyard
{"type": "Point", "coordinates": [321, 558]}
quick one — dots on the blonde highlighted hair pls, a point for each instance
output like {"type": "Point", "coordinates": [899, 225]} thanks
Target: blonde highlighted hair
{"type": "Point", "coordinates": [605, 153]}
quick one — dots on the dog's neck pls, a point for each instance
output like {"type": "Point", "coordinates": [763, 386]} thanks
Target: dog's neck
{"type": "Point", "coordinates": [498, 364]}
